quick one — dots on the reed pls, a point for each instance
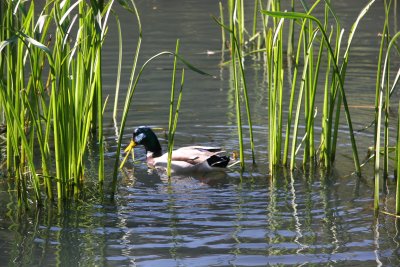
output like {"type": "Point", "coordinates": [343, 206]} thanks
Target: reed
{"type": "Point", "coordinates": [21, 98]}
{"type": "Point", "coordinates": [221, 17]}
{"type": "Point", "coordinates": [313, 36]}
{"type": "Point", "coordinates": [384, 90]}
{"type": "Point", "coordinates": [51, 93]}
{"type": "Point", "coordinates": [118, 81]}
{"type": "Point", "coordinates": [397, 211]}
{"type": "Point", "coordinates": [275, 90]}
{"type": "Point", "coordinates": [378, 114]}
{"type": "Point", "coordinates": [314, 46]}
{"type": "Point", "coordinates": [130, 91]}
{"type": "Point", "coordinates": [236, 36]}
{"type": "Point", "coordinates": [173, 116]}
{"type": "Point", "coordinates": [290, 41]}
{"type": "Point", "coordinates": [316, 43]}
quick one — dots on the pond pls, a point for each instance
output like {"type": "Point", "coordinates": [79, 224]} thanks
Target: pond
{"type": "Point", "coordinates": [303, 218]}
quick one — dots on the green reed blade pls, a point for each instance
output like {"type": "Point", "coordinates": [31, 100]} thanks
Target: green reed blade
{"type": "Point", "coordinates": [117, 84]}
{"type": "Point", "coordinates": [13, 116]}
{"type": "Point", "coordinates": [171, 132]}
{"type": "Point", "coordinates": [299, 101]}
{"type": "Point", "coordinates": [247, 104]}
{"type": "Point", "coordinates": [342, 70]}
{"type": "Point", "coordinates": [171, 110]}
{"type": "Point", "coordinates": [275, 103]}
{"type": "Point", "coordinates": [221, 17]}
{"type": "Point", "coordinates": [269, 59]}
{"type": "Point", "coordinates": [398, 162]}
{"type": "Point", "coordinates": [313, 90]}
{"type": "Point", "coordinates": [378, 113]}
{"type": "Point", "coordinates": [295, 15]}
{"type": "Point", "coordinates": [239, 80]}
{"type": "Point", "coordinates": [291, 33]}
{"type": "Point", "coordinates": [292, 96]}
{"type": "Point", "coordinates": [383, 89]}
{"type": "Point", "coordinates": [237, 100]}
{"type": "Point", "coordinates": [62, 110]}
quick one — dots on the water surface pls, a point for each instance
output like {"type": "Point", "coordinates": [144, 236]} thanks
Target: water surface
{"type": "Point", "coordinates": [303, 219]}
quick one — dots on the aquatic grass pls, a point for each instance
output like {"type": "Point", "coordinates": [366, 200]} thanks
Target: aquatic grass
{"type": "Point", "coordinates": [172, 131]}
{"type": "Point", "coordinates": [18, 95]}
{"type": "Point", "coordinates": [272, 52]}
{"type": "Point", "coordinates": [329, 132]}
{"type": "Point", "coordinates": [236, 35]}
{"type": "Point", "coordinates": [313, 47]}
{"type": "Point", "coordinates": [295, 147]}
{"type": "Point", "coordinates": [334, 87]}
{"type": "Point", "coordinates": [130, 90]}
{"type": "Point", "coordinates": [328, 147]}
{"type": "Point", "coordinates": [57, 115]}
{"type": "Point", "coordinates": [118, 81]}
{"type": "Point", "coordinates": [290, 41]}
{"type": "Point", "coordinates": [397, 208]}
{"type": "Point", "coordinates": [378, 111]}
{"type": "Point", "coordinates": [275, 91]}
{"type": "Point", "coordinates": [221, 17]}
{"type": "Point", "coordinates": [71, 132]}
{"type": "Point", "coordinates": [173, 116]}
{"type": "Point", "coordinates": [233, 32]}
{"type": "Point", "coordinates": [236, 21]}
{"type": "Point", "coordinates": [382, 106]}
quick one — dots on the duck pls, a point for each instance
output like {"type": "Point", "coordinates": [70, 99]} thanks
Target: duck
{"type": "Point", "coordinates": [185, 160]}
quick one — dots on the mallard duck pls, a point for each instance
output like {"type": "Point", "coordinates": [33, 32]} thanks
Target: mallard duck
{"type": "Point", "coordinates": [190, 159]}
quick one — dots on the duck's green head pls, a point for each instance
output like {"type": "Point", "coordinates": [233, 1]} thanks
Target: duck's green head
{"type": "Point", "coordinates": [145, 136]}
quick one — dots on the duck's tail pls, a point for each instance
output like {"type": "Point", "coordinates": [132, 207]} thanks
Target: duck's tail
{"type": "Point", "coordinates": [218, 161]}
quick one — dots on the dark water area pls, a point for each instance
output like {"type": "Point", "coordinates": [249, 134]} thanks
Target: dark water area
{"type": "Point", "coordinates": [299, 219]}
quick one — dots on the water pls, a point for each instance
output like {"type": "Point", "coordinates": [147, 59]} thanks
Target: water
{"type": "Point", "coordinates": [301, 219]}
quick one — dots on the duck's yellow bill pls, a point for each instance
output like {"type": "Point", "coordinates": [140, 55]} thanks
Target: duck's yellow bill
{"type": "Point", "coordinates": [128, 151]}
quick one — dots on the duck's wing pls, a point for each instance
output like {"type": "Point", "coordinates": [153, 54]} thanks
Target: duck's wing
{"type": "Point", "coordinates": [193, 159]}
{"type": "Point", "coordinates": [188, 156]}
{"type": "Point", "coordinates": [180, 162]}
{"type": "Point", "coordinates": [192, 155]}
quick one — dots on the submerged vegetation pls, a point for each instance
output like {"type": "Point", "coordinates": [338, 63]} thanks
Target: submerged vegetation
{"type": "Point", "coordinates": [51, 89]}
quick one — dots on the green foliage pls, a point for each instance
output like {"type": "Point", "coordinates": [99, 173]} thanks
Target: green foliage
{"type": "Point", "coordinates": [51, 93]}
{"type": "Point", "coordinates": [236, 36]}
{"type": "Point", "coordinates": [383, 93]}
{"type": "Point", "coordinates": [310, 75]}
{"type": "Point", "coordinates": [314, 46]}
